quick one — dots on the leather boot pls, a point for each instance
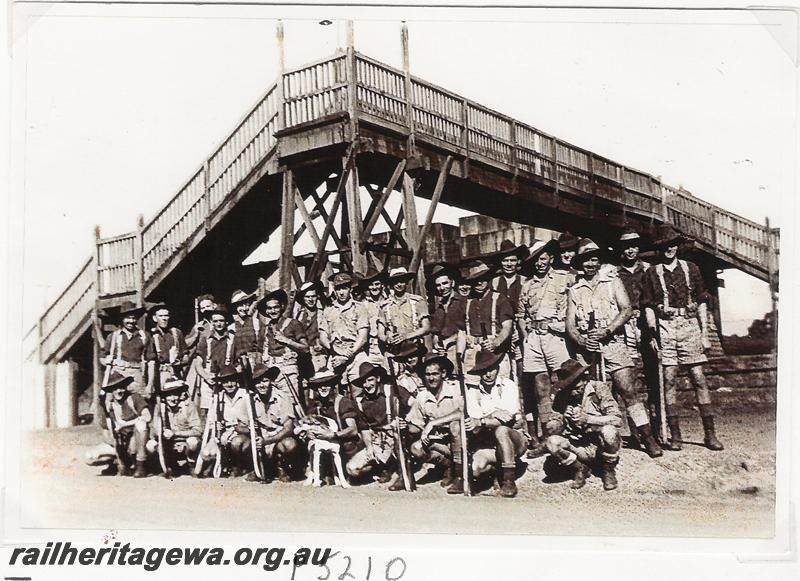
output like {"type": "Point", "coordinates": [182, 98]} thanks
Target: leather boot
{"type": "Point", "coordinates": [581, 472]}
{"type": "Point", "coordinates": [397, 484]}
{"type": "Point", "coordinates": [448, 477]}
{"type": "Point", "coordinates": [649, 442]}
{"type": "Point", "coordinates": [508, 485]}
{"type": "Point", "coordinates": [710, 440]}
{"type": "Point", "coordinates": [675, 439]}
{"type": "Point", "coordinates": [282, 470]}
{"type": "Point", "coordinates": [609, 474]}
{"type": "Point", "coordinates": [141, 470]}
{"type": "Point", "coordinates": [457, 486]}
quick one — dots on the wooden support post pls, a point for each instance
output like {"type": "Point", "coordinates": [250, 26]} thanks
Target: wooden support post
{"type": "Point", "coordinates": [281, 98]}
{"type": "Point", "coordinates": [309, 224]}
{"type": "Point", "coordinates": [287, 231]}
{"type": "Point", "coordinates": [408, 89]}
{"type": "Point", "coordinates": [387, 191]}
{"type": "Point", "coordinates": [138, 252]}
{"type": "Point", "coordinates": [412, 229]}
{"type": "Point", "coordinates": [437, 194]}
{"type": "Point", "coordinates": [97, 326]}
{"type": "Point", "coordinates": [355, 220]}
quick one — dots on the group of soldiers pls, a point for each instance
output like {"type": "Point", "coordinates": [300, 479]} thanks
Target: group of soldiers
{"type": "Point", "coordinates": [548, 349]}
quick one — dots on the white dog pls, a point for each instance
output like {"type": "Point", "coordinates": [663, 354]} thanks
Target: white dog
{"type": "Point", "coordinates": [317, 446]}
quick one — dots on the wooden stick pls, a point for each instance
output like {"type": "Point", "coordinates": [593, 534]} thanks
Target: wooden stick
{"type": "Point", "coordinates": [373, 218]}
{"type": "Point", "coordinates": [437, 194]}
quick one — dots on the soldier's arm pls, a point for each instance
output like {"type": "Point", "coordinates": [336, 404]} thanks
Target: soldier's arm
{"type": "Point", "coordinates": [504, 334]}
{"type": "Point", "coordinates": [572, 328]}
{"type": "Point", "coordinates": [194, 429]}
{"type": "Point", "coordinates": [285, 431]}
{"type": "Point", "coordinates": [199, 368]}
{"type": "Point", "coordinates": [609, 408]}
{"type": "Point", "coordinates": [624, 306]}
{"type": "Point", "coordinates": [424, 329]}
{"type": "Point", "coordinates": [322, 329]}
{"type": "Point", "coordinates": [361, 340]}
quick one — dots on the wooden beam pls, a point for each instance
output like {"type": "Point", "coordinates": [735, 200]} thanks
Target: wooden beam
{"type": "Point", "coordinates": [355, 221]}
{"type": "Point", "coordinates": [337, 201]}
{"type": "Point", "coordinates": [373, 218]}
{"type": "Point", "coordinates": [412, 229]}
{"type": "Point", "coordinates": [308, 222]}
{"type": "Point", "coordinates": [320, 207]}
{"type": "Point", "coordinates": [287, 232]}
{"type": "Point", "coordinates": [437, 194]}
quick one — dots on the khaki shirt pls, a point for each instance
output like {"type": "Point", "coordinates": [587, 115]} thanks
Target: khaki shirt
{"type": "Point", "coordinates": [271, 417]}
{"type": "Point", "coordinates": [342, 324]}
{"type": "Point", "coordinates": [183, 421]}
{"type": "Point", "coordinates": [403, 315]}
{"type": "Point", "coordinates": [595, 296]}
{"type": "Point", "coordinates": [546, 297]}
{"type": "Point", "coordinates": [428, 406]}
{"type": "Point", "coordinates": [503, 395]}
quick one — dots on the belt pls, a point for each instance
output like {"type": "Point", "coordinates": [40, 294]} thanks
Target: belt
{"type": "Point", "coordinates": [126, 364]}
{"type": "Point", "coordinates": [542, 325]}
{"type": "Point", "coordinates": [165, 367]}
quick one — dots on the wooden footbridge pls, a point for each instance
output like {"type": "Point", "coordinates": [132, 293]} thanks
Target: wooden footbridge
{"type": "Point", "coordinates": [348, 121]}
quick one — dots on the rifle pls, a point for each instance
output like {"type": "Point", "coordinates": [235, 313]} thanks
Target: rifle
{"type": "Point", "coordinates": [661, 403]}
{"type": "Point", "coordinates": [401, 445]}
{"type": "Point", "coordinates": [218, 422]}
{"type": "Point", "coordinates": [111, 425]}
{"type": "Point", "coordinates": [162, 414]}
{"type": "Point", "coordinates": [599, 362]}
{"type": "Point", "coordinates": [298, 405]}
{"type": "Point", "coordinates": [249, 386]}
{"type": "Point", "coordinates": [466, 460]}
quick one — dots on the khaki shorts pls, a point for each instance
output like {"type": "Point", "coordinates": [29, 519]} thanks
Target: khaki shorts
{"type": "Point", "coordinates": [543, 352]}
{"type": "Point", "coordinates": [615, 353]}
{"type": "Point", "coordinates": [681, 341]}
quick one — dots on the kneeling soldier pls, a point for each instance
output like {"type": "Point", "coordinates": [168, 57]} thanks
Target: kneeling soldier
{"type": "Point", "coordinates": [372, 421]}
{"type": "Point", "coordinates": [232, 425]}
{"type": "Point", "coordinates": [125, 418]}
{"type": "Point", "coordinates": [495, 422]}
{"type": "Point", "coordinates": [274, 419]}
{"type": "Point", "coordinates": [179, 427]}
{"type": "Point", "coordinates": [585, 425]}
{"type": "Point", "coordinates": [435, 417]}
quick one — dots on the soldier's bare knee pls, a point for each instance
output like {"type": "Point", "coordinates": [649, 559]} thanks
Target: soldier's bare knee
{"type": "Point", "coordinates": [554, 444]}
{"type": "Point", "coordinates": [609, 434]}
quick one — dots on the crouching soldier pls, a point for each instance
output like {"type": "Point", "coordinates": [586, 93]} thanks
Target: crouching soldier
{"type": "Point", "coordinates": [372, 421]}
{"type": "Point", "coordinates": [125, 418]}
{"type": "Point", "coordinates": [178, 422]}
{"type": "Point", "coordinates": [494, 422]}
{"type": "Point", "coordinates": [585, 425]}
{"type": "Point", "coordinates": [274, 422]}
{"type": "Point", "coordinates": [405, 360]}
{"type": "Point", "coordinates": [228, 421]}
{"type": "Point", "coordinates": [434, 419]}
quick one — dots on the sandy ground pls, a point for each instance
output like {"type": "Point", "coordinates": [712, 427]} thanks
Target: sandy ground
{"type": "Point", "coordinates": [695, 492]}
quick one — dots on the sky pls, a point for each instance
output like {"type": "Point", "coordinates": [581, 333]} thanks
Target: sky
{"type": "Point", "coordinates": [117, 106]}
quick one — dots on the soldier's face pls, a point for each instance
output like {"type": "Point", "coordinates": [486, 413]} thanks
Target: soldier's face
{"type": "Point", "coordinates": [120, 393]}
{"type": "Point", "coordinates": [543, 262]}
{"type": "Point", "coordinates": [590, 265]}
{"type": "Point", "coordinates": [489, 376]}
{"type": "Point", "coordinates": [310, 299]}
{"type": "Point", "coordinates": [162, 318]}
{"type": "Point", "coordinates": [206, 305]}
{"type": "Point", "coordinates": [324, 390]}
{"type": "Point", "coordinates": [670, 251]}
{"type": "Point", "coordinates": [630, 253]}
{"type": "Point", "coordinates": [273, 309]}
{"type": "Point", "coordinates": [481, 286]}
{"type": "Point", "coordinates": [370, 384]}
{"type": "Point", "coordinates": [444, 285]}
{"type": "Point", "coordinates": [342, 293]}
{"type": "Point", "coordinates": [577, 387]}
{"type": "Point", "coordinates": [219, 322]}
{"type": "Point", "coordinates": [510, 264]}
{"type": "Point", "coordinates": [400, 286]}
{"type": "Point", "coordinates": [243, 308]}
{"type": "Point", "coordinates": [567, 256]}
{"type": "Point", "coordinates": [464, 289]}
{"type": "Point", "coordinates": [263, 385]}
{"type": "Point", "coordinates": [411, 362]}
{"type": "Point", "coordinates": [433, 376]}
{"type": "Point", "coordinates": [375, 288]}
{"type": "Point", "coordinates": [173, 399]}
{"type": "Point", "coordinates": [230, 387]}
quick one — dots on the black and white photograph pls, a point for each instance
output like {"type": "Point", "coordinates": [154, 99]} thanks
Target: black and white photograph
{"type": "Point", "coordinates": [410, 276]}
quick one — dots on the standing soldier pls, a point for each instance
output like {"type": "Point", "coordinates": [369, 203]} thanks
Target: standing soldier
{"type": "Point", "coordinates": [284, 341]}
{"type": "Point", "coordinates": [169, 344]}
{"type": "Point", "coordinates": [308, 312]}
{"type": "Point", "coordinates": [508, 280]}
{"type": "Point", "coordinates": [182, 430]}
{"type": "Point", "coordinates": [541, 314]}
{"type": "Point", "coordinates": [585, 427]}
{"type": "Point", "coordinates": [404, 316]}
{"type": "Point", "coordinates": [372, 288]}
{"type": "Point", "coordinates": [675, 298]}
{"type": "Point", "coordinates": [567, 246]}
{"type": "Point", "coordinates": [129, 349]}
{"type": "Point", "coordinates": [487, 322]}
{"type": "Point", "coordinates": [130, 419]}
{"type": "Point", "coordinates": [204, 305]}
{"type": "Point", "coordinates": [494, 419]}
{"type": "Point", "coordinates": [214, 352]}
{"type": "Point", "coordinates": [246, 326]}
{"type": "Point", "coordinates": [597, 311]}
{"type": "Point", "coordinates": [444, 329]}
{"type": "Point", "coordinates": [344, 328]}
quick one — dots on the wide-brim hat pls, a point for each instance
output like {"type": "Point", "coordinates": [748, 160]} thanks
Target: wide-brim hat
{"type": "Point", "coordinates": [539, 247]}
{"type": "Point", "coordinates": [568, 241]}
{"type": "Point", "coordinates": [443, 269]}
{"type": "Point", "coordinates": [629, 237]}
{"type": "Point", "coordinates": [174, 385]}
{"type": "Point", "coordinates": [434, 357]}
{"type": "Point", "coordinates": [373, 274]}
{"type": "Point", "coordinates": [667, 235]}
{"type": "Point", "coordinates": [406, 349]}
{"type": "Point", "coordinates": [307, 286]}
{"type": "Point", "coordinates": [399, 274]}
{"type": "Point", "coordinates": [324, 377]}
{"type": "Point", "coordinates": [217, 310]}
{"type": "Point", "coordinates": [228, 373]}
{"type": "Point", "coordinates": [117, 381]}
{"type": "Point", "coordinates": [239, 296]}
{"type": "Point", "coordinates": [261, 371]}
{"type": "Point", "coordinates": [568, 373]}
{"type": "Point", "coordinates": [129, 309]}
{"type": "Point", "coordinates": [586, 249]}
{"type": "Point", "coordinates": [153, 309]}
{"type": "Point", "coordinates": [478, 272]}
{"type": "Point", "coordinates": [341, 279]}
{"type": "Point", "coordinates": [365, 370]}
{"type": "Point", "coordinates": [485, 360]}
{"type": "Point", "coordinates": [508, 248]}
{"type": "Point", "coordinates": [273, 295]}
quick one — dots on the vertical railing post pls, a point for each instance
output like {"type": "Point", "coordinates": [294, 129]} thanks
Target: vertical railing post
{"type": "Point", "coordinates": [279, 92]}
{"type": "Point", "coordinates": [465, 125]}
{"type": "Point", "coordinates": [772, 270]}
{"type": "Point", "coordinates": [97, 327]}
{"type": "Point", "coordinates": [409, 90]}
{"type": "Point", "coordinates": [138, 257]}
